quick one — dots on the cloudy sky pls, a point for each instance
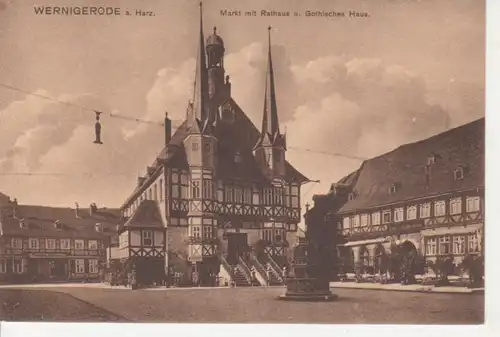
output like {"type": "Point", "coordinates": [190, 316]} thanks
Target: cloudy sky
{"type": "Point", "coordinates": [359, 87]}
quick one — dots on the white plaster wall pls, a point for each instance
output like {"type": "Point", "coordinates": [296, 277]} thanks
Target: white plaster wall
{"type": "Point", "coordinates": [135, 238]}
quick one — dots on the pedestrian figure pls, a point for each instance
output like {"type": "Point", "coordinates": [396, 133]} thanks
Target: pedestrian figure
{"type": "Point", "coordinates": [284, 273]}
{"type": "Point", "coordinates": [268, 273]}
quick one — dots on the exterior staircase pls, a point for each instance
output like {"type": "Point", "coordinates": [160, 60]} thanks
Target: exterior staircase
{"type": "Point", "coordinates": [276, 271]}
{"type": "Point", "coordinates": [238, 273]}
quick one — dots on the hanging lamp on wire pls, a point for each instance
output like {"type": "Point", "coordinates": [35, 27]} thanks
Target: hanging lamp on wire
{"type": "Point", "coordinates": [97, 128]}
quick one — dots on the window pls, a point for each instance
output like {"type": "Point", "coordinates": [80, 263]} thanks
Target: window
{"type": "Point", "coordinates": [376, 218]}
{"type": "Point", "coordinates": [355, 221]}
{"type": "Point", "coordinates": [444, 245]}
{"type": "Point", "coordinates": [3, 266]}
{"type": "Point", "coordinates": [64, 243]}
{"type": "Point", "coordinates": [456, 206]}
{"type": "Point", "coordinates": [93, 244]}
{"type": "Point", "coordinates": [398, 214]}
{"type": "Point", "coordinates": [51, 244]}
{"type": "Point", "coordinates": [147, 238]}
{"type": "Point", "coordinates": [364, 220]}
{"type": "Point", "coordinates": [195, 231]}
{"type": "Point", "coordinates": [267, 234]}
{"type": "Point", "coordinates": [350, 196]}
{"type": "Point", "coordinates": [472, 243]}
{"type": "Point", "coordinates": [207, 189]}
{"type": "Point", "coordinates": [459, 244]}
{"type": "Point", "coordinates": [431, 160]}
{"type": "Point", "coordinates": [207, 232]}
{"type": "Point", "coordinates": [256, 196]}
{"type": "Point", "coordinates": [458, 173]}
{"type": "Point", "coordinates": [439, 208]}
{"type": "Point", "coordinates": [425, 210]}
{"type": "Point", "coordinates": [247, 196]}
{"type": "Point", "coordinates": [195, 189]}
{"type": "Point", "coordinates": [346, 222]}
{"type": "Point", "coordinates": [98, 227]}
{"type": "Point", "coordinates": [34, 244]}
{"type": "Point", "coordinates": [411, 213]}
{"type": "Point", "coordinates": [238, 195]}
{"type": "Point", "coordinates": [79, 266]}
{"type": "Point", "coordinates": [278, 196]}
{"type": "Point", "coordinates": [472, 204]}
{"type": "Point", "coordinates": [194, 146]}
{"type": "Point", "coordinates": [93, 266]}
{"type": "Point", "coordinates": [79, 245]}
{"type": "Point", "coordinates": [17, 243]}
{"type": "Point", "coordinates": [386, 216]}
{"type": "Point", "coordinates": [392, 189]}
{"type": "Point", "coordinates": [17, 266]}
{"type": "Point", "coordinates": [431, 246]}
{"type": "Point", "coordinates": [295, 196]}
{"type": "Point", "coordinates": [268, 196]}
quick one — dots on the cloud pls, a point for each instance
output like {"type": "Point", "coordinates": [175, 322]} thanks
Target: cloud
{"type": "Point", "coordinates": [356, 107]}
{"type": "Point", "coordinates": [359, 107]}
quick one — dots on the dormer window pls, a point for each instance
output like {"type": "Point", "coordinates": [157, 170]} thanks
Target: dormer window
{"type": "Point", "coordinates": [431, 160]}
{"type": "Point", "coordinates": [98, 227]}
{"type": "Point", "coordinates": [459, 173]}
{"type": "Point", "coordinates": [392, 189]}
{"type": "Point", "coordinates": [23, 224]}
{"type": "Point", "coordinates": [58, 225]}
{"type": "Point", "coordinates": [351, 196]}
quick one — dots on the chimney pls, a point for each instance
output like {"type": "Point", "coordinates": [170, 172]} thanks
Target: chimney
{"type": "Point", "coordinates": [93, 209]}
{"type": "Point", "coordinates": [77, 211]}
{"type": "Point", "coordinates": [168, 129]}
{"type": "Point", "coordinates": [140, 181]}
{"type": "Point", "coordinates": [14, 208]}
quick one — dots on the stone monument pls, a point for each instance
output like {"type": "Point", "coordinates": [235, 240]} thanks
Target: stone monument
{"type": "Point", "coordinates": [311, 264]}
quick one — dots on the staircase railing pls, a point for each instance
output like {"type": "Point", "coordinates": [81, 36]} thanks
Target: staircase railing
{"type": "Point", "coordinates": [274, 267]}
{"type": "Point", "coordinates": [259, 267]}
{"type": "Point", "coordinates": [245, 270]}
{"type": "Point", "coordinates": [227, 266]}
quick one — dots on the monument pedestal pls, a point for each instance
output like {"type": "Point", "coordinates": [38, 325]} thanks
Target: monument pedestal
{"type": "Point", "coordinates": [307, 289]}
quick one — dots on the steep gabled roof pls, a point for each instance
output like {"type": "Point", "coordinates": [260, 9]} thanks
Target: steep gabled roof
{"type": "Point", "coordinates": [406, 168]}
{"type": "Point", "coordinates": [240, 137]}
{"type": "Point", "coordinates": [40, 221]}
{"type": "Point", "coordinates": [148, 215]}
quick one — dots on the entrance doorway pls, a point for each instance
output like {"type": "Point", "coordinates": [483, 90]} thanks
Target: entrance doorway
{"type": "Point", "coordinates": [58, 269]}
{"type": "Point", "coordinates": [237, 245]}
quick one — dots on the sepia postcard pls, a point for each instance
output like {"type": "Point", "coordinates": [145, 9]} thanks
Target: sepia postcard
{"type": "Point", "coordinates": [265, 161]}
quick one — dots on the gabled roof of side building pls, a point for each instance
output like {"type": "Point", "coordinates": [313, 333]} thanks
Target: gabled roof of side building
{"type": "Point", "coordinates": [406, 169]}
{"type": "Point", "coordinates": [40, 222]}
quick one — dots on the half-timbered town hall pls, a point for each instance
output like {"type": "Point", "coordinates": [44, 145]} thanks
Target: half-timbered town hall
{"type": "Point", "coordinates": [228, 199]}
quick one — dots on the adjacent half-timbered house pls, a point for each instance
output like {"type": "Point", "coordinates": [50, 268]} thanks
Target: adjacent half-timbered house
{"type": "Point", "coordinates": [426, 196]}
{"type": "Point", "coordinates": [44, 244]}
{"type": "Point", "coordinates": [141, 247]}
{"type": "Point", "coordinates": [222, 184]}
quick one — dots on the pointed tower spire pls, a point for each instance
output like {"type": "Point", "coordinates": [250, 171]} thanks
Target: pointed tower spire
{"type": "Point", "coordinates": [270, 124]}
{"type": "Point", "coordinates": [201, 81]}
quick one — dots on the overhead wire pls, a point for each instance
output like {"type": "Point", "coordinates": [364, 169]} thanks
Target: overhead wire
{"type": "Point", "coordinates": [132, 119]}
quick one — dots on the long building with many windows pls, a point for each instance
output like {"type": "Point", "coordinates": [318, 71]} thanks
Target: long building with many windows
{"type": "Point", "coordinates": [222, 185]}
{"type": "Point", "coordinates": [48, 244]}
{"type": "Point", "coordinates": [426, 196]}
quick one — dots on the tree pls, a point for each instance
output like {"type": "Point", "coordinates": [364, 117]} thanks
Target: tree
{"type": "Point", "coordinates": [474, 266]}
{"type": "Point", "coordinates": [442, 267]}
